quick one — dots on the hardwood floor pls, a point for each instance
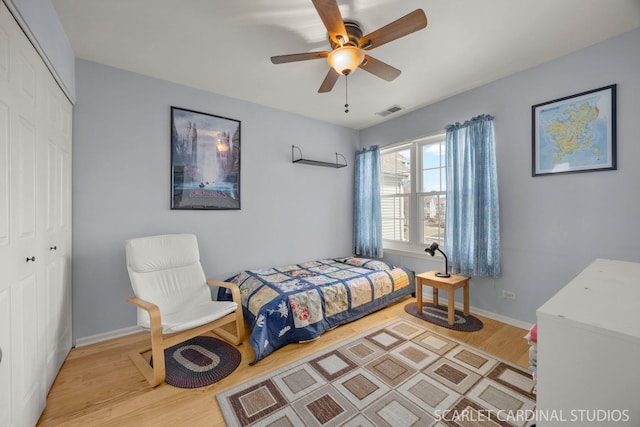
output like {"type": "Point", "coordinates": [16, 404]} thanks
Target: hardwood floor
{"type": "Point", "coordinates": [99, 386]}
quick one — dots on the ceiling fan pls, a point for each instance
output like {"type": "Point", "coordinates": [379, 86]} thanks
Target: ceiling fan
{"type": "Point", "coordinates": [348, 44]}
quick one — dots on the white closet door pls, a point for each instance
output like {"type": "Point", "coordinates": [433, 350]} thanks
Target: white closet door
{"type": "Point", "coordinates": [5, 261]}
{"type": "Point", "coordinates": [35, 227]}
{"type": "Point", "coordinates": [56, 190]}
{"type": "Point", "coordinates": [25, 68]}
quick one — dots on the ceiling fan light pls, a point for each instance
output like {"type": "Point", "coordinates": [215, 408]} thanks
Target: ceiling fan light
{"type": "Point", "coordinates": [345, 59]}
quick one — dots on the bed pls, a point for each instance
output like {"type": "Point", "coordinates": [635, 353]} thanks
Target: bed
{"type": "Point", "coordinates": [299, 302]}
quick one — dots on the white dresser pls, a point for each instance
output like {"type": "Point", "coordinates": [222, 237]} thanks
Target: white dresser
{"type": "Point", "coordinates": [589, 349]}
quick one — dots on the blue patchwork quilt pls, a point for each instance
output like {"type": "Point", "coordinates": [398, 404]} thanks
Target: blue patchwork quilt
{"type": "Point", "coordinates": [299, 302]}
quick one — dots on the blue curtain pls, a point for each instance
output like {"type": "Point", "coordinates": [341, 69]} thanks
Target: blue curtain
{"type": "Point", "coordinates": [472, 232]}
{"type": "Point", "coordinates": [367, 220]}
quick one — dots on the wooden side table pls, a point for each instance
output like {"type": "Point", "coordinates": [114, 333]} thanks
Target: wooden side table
{"type": "Point", "coordinates": [449, 284]}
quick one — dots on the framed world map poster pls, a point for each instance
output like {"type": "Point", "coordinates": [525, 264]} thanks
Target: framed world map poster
{"type": "Point", "coordinates": [575, 134]}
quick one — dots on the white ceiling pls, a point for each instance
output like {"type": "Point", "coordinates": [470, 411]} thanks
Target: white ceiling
{"type": "Point", "coordinates": [224, 46]}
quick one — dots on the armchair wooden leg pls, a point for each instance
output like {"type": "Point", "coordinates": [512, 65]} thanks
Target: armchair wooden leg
{"type": "Point", "coordinates": [159, 372]}
{"type": "Point", "coordinates": [154, 375]}
{"type": "Point", "coordinates": [143, 366]}
{"type": "Point", "coordinates": [224, 332]}
{"type": "Point", "coordinates": [235, 339]}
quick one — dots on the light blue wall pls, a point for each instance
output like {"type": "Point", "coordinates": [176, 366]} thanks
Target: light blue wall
{"type": "Point", "coordinates": [551, 226]}
{"type": "Point", "coordinates": [42, 20]}
{"type": "Point", "coordinates": [121, 189]}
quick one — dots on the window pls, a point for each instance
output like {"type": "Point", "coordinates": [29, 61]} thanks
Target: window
{"type": "Point", "coordinates": [414, 193]}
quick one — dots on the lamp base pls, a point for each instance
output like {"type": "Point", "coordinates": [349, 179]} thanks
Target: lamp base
{"type": "Point", "coordinates": [444, 275]}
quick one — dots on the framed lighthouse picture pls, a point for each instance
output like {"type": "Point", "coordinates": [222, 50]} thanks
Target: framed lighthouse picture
{"type": "Point", "coordinates": [205, 161]}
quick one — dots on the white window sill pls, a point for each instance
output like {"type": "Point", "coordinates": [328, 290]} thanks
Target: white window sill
{"type": "Point", "coordinates": [412, 253]}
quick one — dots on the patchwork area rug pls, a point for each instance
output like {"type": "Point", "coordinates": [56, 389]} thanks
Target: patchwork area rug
{"type": "Point", "coordinates": [438, 315]}
{"type": "Point", "coordinates": [199, 362]}
{"type": "Point", "coordinates": [398, 374]}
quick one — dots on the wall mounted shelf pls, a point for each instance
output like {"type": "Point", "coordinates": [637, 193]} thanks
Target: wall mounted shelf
{"type": "Point", "coordinates": [302, 160]}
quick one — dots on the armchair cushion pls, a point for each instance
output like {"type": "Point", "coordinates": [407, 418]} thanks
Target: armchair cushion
{"type": "Point", "coordinates": [196, 315]}
{"type": "Point", "coordinates": [164, 252]}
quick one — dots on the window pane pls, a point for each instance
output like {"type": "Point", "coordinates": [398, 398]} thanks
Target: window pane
{"type": "Point", "coordinates": [395, 221]}
{"type": "Point", "coordinates": [396, 172]}
{"type": "Point", "coordinates": [431, 180]}
{"type": "Point", "coordinates": [443, 179]}
{"type": "Point", "coordinates": [433, 167]}
{"type": "Point", "coordinates": [433, 211]}
{"type": "Point", "coordinates": [431, 156]}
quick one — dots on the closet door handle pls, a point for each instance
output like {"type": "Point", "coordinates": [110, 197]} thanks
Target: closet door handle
{"type": "Point", "coordinates": [33, 258]}
{"type": "Point", "coordinates": [53, 248]}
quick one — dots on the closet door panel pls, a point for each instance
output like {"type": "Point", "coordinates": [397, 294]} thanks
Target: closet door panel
{"type": "Point", "coordinates": [4, 188]}
{"type": "Point", "coordinates": [4, 51]}
{"type": "Point", "coordinates": [25, 67]}
{"type": "Point", "coordinates": [27, 382]}
{"type": "Point", "coordinates": [4, 148]}
{"type": "Point", "coordinates": [5, 357]}
{"type": "Point", "coordinates": [24, 197]}
{"type": "Point", "coordinates": [63, 256]}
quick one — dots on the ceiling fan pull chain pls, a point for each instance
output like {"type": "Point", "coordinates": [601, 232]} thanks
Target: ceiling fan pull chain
{"type": "Point", "coordinates": [346, 94]}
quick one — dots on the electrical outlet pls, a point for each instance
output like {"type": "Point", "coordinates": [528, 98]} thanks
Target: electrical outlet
{"type": "Point", "coordinates": [509, 295]}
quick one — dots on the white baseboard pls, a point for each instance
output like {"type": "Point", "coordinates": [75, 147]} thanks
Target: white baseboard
{"type": "Point", "coordinates": [500, 318]}
{"type": "Point", "coordinates": [80, 342]}
{"type": "Point", "coordinates": [495, 316]}
{"type": "Point", "coordinates": [92, 339]}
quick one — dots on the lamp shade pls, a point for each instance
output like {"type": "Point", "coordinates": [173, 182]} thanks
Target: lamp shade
{"type": "Point", "coordinates": [431, 250]}
{"type": "Point", "coordinates": [345, 59]}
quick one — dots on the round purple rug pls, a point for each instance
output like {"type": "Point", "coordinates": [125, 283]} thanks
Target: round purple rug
{"type": "Point", "coordinates": [199, 362]}
{"type": "Point", "coordinates": [439, 316]}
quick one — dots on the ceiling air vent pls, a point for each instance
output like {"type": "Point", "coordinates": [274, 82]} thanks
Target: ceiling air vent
{"type": "Point", "coordinates": [390, 110]}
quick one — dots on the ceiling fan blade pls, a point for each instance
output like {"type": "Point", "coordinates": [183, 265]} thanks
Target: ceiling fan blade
{"type": "Point", "coordinates": [406, 25]}
{"type": "Point", "coordinates": [332, 19]}
{"type": "Point", "coordinates": [294, 57]}
{"type": "Point", "coordinates": [379, 68]}
{"type": "Point", "coordinates": [329, 81]}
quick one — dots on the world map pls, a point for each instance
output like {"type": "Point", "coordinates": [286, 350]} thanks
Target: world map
{"type": "Point", "coordinates": [573, 135]}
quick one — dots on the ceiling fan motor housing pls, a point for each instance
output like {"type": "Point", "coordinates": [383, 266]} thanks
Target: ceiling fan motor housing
{"type": "Point", "coordinates": [346, 56]}
{"type": "Point", "coordinates": [354, 32]}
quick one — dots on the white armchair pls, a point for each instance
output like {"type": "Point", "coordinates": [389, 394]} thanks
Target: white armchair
{"type": "Point", "coordinates": [174, 299]}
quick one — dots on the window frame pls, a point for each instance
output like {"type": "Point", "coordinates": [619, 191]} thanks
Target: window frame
{"type": "Point", "coordinates": [416, 217]}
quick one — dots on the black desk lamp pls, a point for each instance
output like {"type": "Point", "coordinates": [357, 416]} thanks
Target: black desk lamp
{"type": "Point", "coordinates": [431, 250]}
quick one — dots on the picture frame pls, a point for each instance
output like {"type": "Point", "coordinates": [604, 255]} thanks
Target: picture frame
{"type": "Point", "coordinates": [205, 161]}
{"type": "Point", "coordinates": [576, 133]}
